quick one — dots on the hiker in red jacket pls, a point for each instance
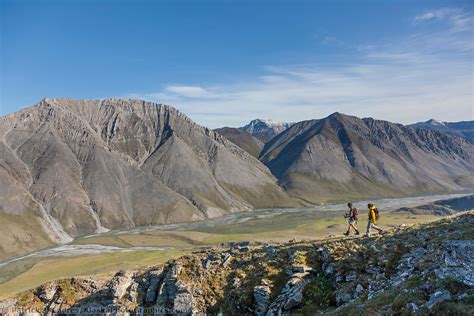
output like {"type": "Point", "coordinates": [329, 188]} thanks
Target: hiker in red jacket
{"type": "Point", "coordinates": [352, 218]}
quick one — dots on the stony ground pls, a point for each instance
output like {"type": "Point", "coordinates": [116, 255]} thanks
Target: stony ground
{"type": "Point", "coordinates": [425, 269]}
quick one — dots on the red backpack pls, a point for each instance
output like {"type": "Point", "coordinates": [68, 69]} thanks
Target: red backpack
{"type": "Point", "coordinates": [376, 211]}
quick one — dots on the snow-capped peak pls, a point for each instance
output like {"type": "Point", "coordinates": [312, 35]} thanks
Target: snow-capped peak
{"type": "Point", "coordinates": [435, 122]}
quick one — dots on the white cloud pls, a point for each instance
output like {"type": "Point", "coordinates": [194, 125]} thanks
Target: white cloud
{"type": "Point", "coordinates": [426, 75]}
{"type": "Point", "coordinates": [459, 19]}
{"type": "Point", "coordinates": [187, 91]}
{"type": "Point", "coordinates": [439, 14]}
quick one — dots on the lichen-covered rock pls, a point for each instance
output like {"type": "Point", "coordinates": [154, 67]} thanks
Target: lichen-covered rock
{"type": "Point", "coordinates": [119, 284]}
{"type": "Point", "coordinates": [458, 261]}
{"type": "Point", "coordinates": [46, 291]}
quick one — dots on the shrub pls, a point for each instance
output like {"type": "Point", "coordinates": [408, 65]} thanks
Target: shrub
{"type": "Point", "coordinates": [318, 292]}
{"type": "Point", "coordinates": [451, 283]}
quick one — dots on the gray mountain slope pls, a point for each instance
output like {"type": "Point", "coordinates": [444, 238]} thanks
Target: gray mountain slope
{"type": "Point", "coordinates": [343, 156]}
{"type": "Point", "coordinates": [83, 166]}
{"type": "Point", "coordinates": [243, 139]}
{"type": "Point", "coordinates": [463, 129]}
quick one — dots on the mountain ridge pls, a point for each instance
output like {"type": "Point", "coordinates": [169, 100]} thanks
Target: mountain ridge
{"type": "Point", "coordinates": [76, 167]}
{"type": "Point", "coordinates": [345, 152]}
{"type": "Point", "coordinates": [463, 129]}
{"type": "Point", "coordinates": [118, 163]}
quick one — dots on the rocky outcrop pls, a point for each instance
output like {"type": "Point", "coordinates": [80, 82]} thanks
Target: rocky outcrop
{"type": "Point", "coordinates": [47, 291]}
{"type": "Point", "coordinates": [154, 279]}
{"type": "Point", "coordinates": [261, 295]}
{"type": "Point", "coordinates": [406, 270]}
{"type": "Point", "coordinates": [457, 261]}
{"type": "Point", "coordinates": [291, 296]}
{"type": "Point", "coordinates": [120, 283]}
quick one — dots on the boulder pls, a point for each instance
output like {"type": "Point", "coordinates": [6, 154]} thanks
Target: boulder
{"type": "Point", "coordinates": [342, 297]}
{"type": "Point", "coordinates": [351, 277]}
{"type": "Point", "coordinates": [438, 297]}
{"type": "Point", "coordinates": [325, 254]}
{"type": "Point", "coordinates": [294, 299]}
{"type": "Point", "coordinates": [411, 307]}
{"type": "Point", "coordinates": [328, 268]}
{"type": "Point", "coordinates": [226, 260]}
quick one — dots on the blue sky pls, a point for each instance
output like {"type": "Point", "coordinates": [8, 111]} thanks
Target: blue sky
{"type": "Point", "coordinates": [226, 62]}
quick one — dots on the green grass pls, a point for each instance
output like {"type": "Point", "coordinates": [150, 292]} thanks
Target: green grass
{"type": "Point", "coordinates": [148, 239]}
{"type": "Point", "coordinates": [103, 264]}
{"type": "Point", "coordinates": [27, 298]}
{"type": "Point", "coordinates": [16, 268]}
{"type": "Point", "coordinates": [401, 300]}
{"type": "Point", "coordinates": [452, 284]}
{"type": "Point", "coordinates": [20, 235]}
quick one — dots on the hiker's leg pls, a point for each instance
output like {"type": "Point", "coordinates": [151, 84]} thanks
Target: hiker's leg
{"type": "Point", "coordinates": [376, 228]}
{"type": "Point", "coordinates": [354, 225]}
{"type": "Point", "coordinates": [368, 228]}
{"type": "Point", "coordinates": [355, 228]}
{"type": "Point", "coordinates": [348, 228]}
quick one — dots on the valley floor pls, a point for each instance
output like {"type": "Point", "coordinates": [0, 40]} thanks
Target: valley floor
{"type": "Point", "coordinates": [104, 254]}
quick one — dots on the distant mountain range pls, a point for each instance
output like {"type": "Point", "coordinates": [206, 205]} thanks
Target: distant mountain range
{"type": "Point", "coordinates": [70, 168]}
{"type": "Point", "coordinates": [464, 129]}
{"type": "Point", "coordinates": [344, 155]}
{"type": "Point", "coordinates": [265, 129]}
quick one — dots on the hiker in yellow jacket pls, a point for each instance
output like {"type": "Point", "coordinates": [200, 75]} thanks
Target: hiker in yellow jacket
{"type": "Point", "coordinates": [373, 216]}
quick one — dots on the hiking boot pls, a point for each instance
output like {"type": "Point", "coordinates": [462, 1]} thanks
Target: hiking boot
{"type": "Point", "coordinates": [346, 233]}
{"type": "Point", "coordinates": [366, 236]}
{"type": "Point", "coordinates": [380, 232]}
{"type": "Point", "coordinates": [357, 232]}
